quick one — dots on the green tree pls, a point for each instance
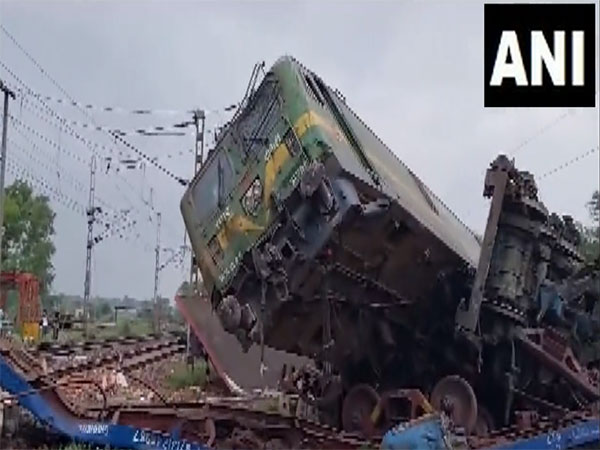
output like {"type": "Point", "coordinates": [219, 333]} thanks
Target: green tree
{"type": "Point", "coordinates": [104, 310]}
{"type": "Point", "coordinates": [28, 229]}
{"type": "Point", "coordinates": [594, 207]}
{"type": "Point", "coordinates": [590, 236]}
{"type": "Point", "coordinates": [51, 302]}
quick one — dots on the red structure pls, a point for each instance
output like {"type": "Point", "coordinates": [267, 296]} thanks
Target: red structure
{"type": "Point", "coordinates": [29, 308]}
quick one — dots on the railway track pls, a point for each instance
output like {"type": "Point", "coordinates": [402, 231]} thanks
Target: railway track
{"type": "Point", "coordinates": [58, 349]}
{"type": "Point", "coordinates": [253, 421]}
{"type": "Point", "coordinates": [125, 354]}
{"type": "Point", "coordinates": [69, 376]}
{"type": "Point", "coordinates": [228, 422]}
{"type": "Point", "coordinates": [125, 351]}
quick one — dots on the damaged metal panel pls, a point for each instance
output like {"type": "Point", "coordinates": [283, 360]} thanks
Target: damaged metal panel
{"type": "Point", "coordinates": [326, 245]}
{"type": "Point", "coordinates": [240, 370]}
{"type": "Point", "coordinates": [403, 186]}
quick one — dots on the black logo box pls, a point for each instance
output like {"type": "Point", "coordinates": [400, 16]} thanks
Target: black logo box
{"type": "Point", "coordinates": [524, 18]}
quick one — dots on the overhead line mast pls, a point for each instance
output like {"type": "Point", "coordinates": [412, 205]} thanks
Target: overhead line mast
{"type": "Point", "coordinates": [7, 93]}
{"type": "Point", "coordinates": [199, 119]}
{"type": "Point", "coordinates": [157, 312]}
{"type": "Point", "coordinates": [199, 122]}
{"type": "Point", "coordinates": [91, 218]}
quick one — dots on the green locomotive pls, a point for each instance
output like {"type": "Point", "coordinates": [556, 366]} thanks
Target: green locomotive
{"type": "Point", "coordinates": [297, 176]}
{"type": "Point", "coordinates": [312, 237]}
{"type": "Point", "coordinates": [301, 218]}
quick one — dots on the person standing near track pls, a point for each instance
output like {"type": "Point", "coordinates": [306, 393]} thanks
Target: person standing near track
{"type": "Point", "coordinates": [55, 325]}
{"type": "Point", "coordinates": [44, 324]}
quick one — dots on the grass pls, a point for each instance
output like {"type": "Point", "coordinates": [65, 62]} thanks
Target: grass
{"type": "Point", "coordinates": [183, 376]}
{"type": "Point", "coordinates": [125, 327]}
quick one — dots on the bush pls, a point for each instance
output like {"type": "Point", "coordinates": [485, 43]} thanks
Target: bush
{"type": "Point", "coordinates": [184, 376]}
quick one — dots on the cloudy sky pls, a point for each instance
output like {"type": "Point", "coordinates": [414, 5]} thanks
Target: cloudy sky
{"type": "Point", "coordinates": [412, 70]}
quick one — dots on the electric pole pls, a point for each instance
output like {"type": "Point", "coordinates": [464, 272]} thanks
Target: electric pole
{"type": "Point", "coordinates": [7, 93]}
{"type": "Point", "coordinates": [156, 270]}
{"type": "Point", "coordinates": [199, 118]}
{"type": "Point", "coordinates": [91, 218]}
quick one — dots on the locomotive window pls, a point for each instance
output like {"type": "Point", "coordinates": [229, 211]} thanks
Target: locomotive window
{"type": "Point", "coordinates": [206, 190]}
{"type": "Point", "coordinates": [251, 123]}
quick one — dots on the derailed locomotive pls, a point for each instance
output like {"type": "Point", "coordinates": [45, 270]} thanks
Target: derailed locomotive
{"type": "Point", "coordinates": [312, 237]}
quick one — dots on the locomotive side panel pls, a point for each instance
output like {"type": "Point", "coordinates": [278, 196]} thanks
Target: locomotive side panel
{"type": "Point", "coordinates": [402, 185]}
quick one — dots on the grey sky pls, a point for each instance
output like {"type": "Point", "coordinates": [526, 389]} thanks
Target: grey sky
{"type": "Point", "coordinates": [412, 70]}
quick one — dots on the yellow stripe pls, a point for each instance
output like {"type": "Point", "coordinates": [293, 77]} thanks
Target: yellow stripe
{"type": "Point", "coordinates": [240, 223]}
{"type": "Point", "coordinates": [279, 157]}
{"type": "Point", "coordinates": [222, 237]}
{"type": "Point", "coordinates": [310, 119]}
{"type": "Point", "coordinates": [273, 165]}
{"type": "Point", "coordinates": [236, 224]}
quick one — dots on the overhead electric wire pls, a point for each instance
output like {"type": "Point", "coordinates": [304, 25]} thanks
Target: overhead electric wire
{"type": "Point", "coordinates": [55, 145]}
{"type": "Point", "coordinates": [19, 175]}
{"type": "Point", "coordinates": [64, 127]}
{"type": "Point", "coordinates": [39, 113]}
{"type": "Point", "coordinates": [112, 231]}
{"type": "Point", "coordinates": [83, 110]}
{"type": "Point", "coordinates": [568, 163]}
{"type": "Point", "coordinates": [32, 130]}
{"type": "Point", "coordinates": [16, 167]}
{"type": "Point", "coordinates": [516, 149]}
{"type": "Point", "coordinates": [171, 258]}
{"type": "Point", "coordinates": [560, 167]}
{"type": "Point", "coordinates": [123, 110]}
{"type": "Point", "coordinates": [147, 131]}
{"type": "Point", "coordinates": [42, 181]}
{"type": "Point", "coordinates": [529, 139]}
{"type": "Point", "coordinates": [116, 137]}
{"type": "Point", "coordinates": [539, 132]}
{"type": "Point", "coordinates": [77, 184]}
{"type": "Point", "coordinates": [59, 148]}
{"type": "Point", "coordinates": [88, 143]}
{"type": "Point", "coordinates": [21, 172]}
{"type": "Point", "coordinates": [69, 179]}
{"type": "Point", "coordinates": [25, 173]}
{"type": "Point", "coordinates": [50, 167]}
{"type": "Point", "coordinates": [158, 130]}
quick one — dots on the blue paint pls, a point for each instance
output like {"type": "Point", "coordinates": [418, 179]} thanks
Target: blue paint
{"type": "Point", "coordinates": [582, 433]}
{"type": "Point", "coordinates": [426, 434]}
{"type": "Point", "coordinates": [429, 435]}
{"type": "Point", "coordinates": [96, 433]}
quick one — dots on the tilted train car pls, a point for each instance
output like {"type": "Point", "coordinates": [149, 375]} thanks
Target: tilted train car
{"type": "Point", "coordinates": [312, 237]}
{"type": "Point", "coordinates": [301, 204]}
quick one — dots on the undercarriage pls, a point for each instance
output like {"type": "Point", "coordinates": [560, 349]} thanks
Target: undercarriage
{"type": "Point", "coordinates": [347, 277]}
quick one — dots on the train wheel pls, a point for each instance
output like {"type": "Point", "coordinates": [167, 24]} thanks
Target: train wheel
{"type": "Point", "coordinates": [485, 422]}
{"type": "Point", "coordinates": [358, 406]}
{"type": "Point", "coordinates": [457, 395]}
